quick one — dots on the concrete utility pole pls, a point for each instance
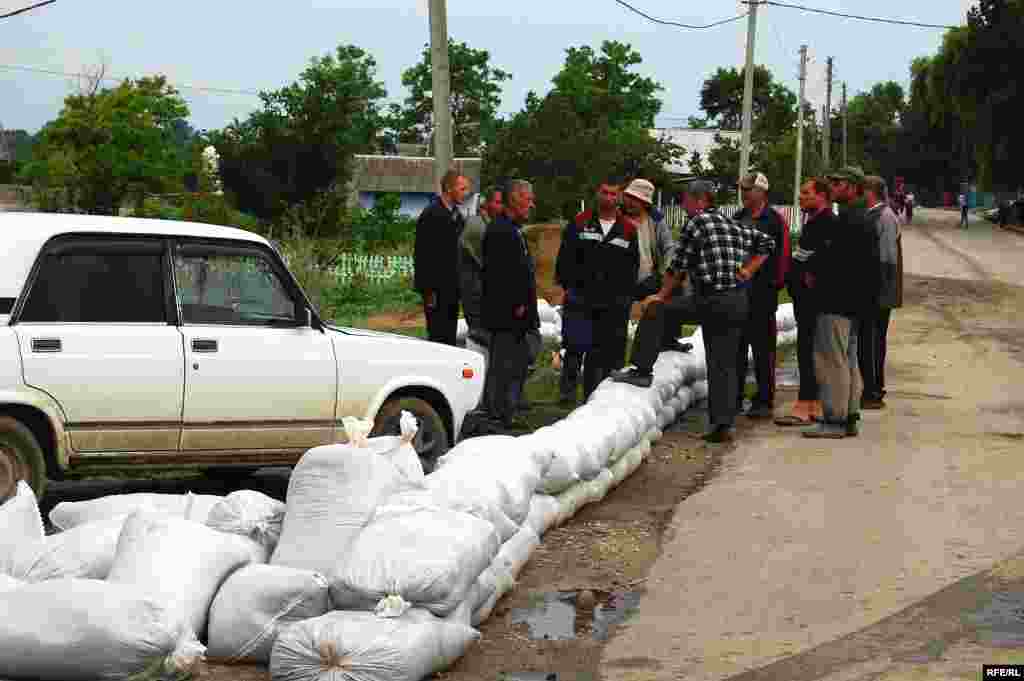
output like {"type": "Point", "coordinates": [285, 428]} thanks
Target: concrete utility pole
{"type": "Point", "coordinates": [826, 144]}
{"type": "Point", "coordinates": [844, 124]}
{"type": "Point", "coordinates": [441, 83]}
{"type": "Point", "coordinates": [748, 90]}
{"type": "Point", "coordinates": [800, 138]}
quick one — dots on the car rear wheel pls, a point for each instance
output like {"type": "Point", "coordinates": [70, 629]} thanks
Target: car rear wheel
{"type": "Point", "coordinates": [431, 441]}
{"type": "Point", "coordinates": [21, 458]}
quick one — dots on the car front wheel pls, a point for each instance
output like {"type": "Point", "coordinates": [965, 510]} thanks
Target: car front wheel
{"type": "Point", "coordinates": [21, 458]}
{"type": "Point", "coordinates": [431, 441]}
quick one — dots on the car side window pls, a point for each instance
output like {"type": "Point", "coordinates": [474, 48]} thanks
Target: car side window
{"type": "Point", "coordinates": [90, 285]}
{"type": "Point", "coordinates": [230, 288]}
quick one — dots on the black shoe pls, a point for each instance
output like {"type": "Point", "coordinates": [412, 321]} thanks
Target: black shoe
{"type": "Point", "coordinates": [677, 347]}
{"type": "Point", "coordinates": [719, 434]}
{"type": "Point", "coordinates": [761, 411]}
{"type": "Point", "coordinates": [872, 403]}
{"type": "Point", "coordinates": [853, 425]}
{"type": "Point", "coordinates": [641, 379]}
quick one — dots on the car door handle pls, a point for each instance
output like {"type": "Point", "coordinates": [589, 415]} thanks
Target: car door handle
{"type": "Point", "coordinates": [204, 345]}
{"type": "Point", "coordinates": [46, 345]}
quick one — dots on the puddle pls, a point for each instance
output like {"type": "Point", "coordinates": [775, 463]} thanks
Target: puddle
{"type": "Point", "coordinates": [557, 617]}
{"type": "Point", "coordinates": [1001, 622]}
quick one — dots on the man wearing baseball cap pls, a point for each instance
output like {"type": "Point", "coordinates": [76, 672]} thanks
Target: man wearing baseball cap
{"type": "Point", "coordinates": [759, 333]}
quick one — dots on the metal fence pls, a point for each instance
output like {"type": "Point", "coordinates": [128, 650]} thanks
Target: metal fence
{"type": "Point", "coordinates": [375, 268]}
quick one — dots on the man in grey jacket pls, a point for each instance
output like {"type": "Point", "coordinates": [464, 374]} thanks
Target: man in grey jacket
{"type": "Point", "coordinates": [875, 327]}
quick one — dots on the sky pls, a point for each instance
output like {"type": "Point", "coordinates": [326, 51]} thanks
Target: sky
{"type": "Point", "coordinates": [262, 45]}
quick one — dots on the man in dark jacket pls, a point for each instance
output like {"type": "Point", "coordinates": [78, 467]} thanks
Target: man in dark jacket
{"type": "Point", "coordinates": [846, 276]}
{"type": "Point", "coordinates": [819, 225]}
{"type": "Point", "coordinates": [760, 332]}
{"type": "Point", "coordinates": [509, 302]}
{"type": "Point", "coordinates": [435, 259]}
{"type": "Point", "coordinates": [597, 266]}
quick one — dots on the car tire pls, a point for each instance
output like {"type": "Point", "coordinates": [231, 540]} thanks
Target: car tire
{"type": "Point", "coordinates": [431, 440]}
{"type": "Point", "coordinates": [21, 458]}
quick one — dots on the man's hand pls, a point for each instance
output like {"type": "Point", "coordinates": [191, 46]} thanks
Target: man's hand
{"type": "Point", "coordinates": [520, 312]}
{"type": "Point", "coordinates": [430, 299]}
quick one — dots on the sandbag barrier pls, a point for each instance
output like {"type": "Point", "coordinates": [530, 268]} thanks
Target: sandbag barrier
{"type": "Point", "coordinates": [147, 585]}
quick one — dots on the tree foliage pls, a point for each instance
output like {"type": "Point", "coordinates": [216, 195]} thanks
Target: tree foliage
{"type": "Point", "coordinates": [773, 104]}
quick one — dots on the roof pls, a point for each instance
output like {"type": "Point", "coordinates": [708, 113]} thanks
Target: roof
{"type": "Point", "coordinates": [23, 234]}
{"type": "Point", "coordinates": [701, 140]}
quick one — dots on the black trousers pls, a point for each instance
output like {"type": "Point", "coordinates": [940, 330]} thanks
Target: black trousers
{"type": "Point", "coordinates": [806, 313]}
{"type": "Point", "coordinates": [760, 335]}
{"type": "Point", "coordinates": [659, 327]}
{"type": "Point", "coordinates": [443, 318]}
{"type": "Point", "coordinates": [607, 354]}
{"type": "Point", "coordinates": [723, 316]}
{"type": "Point", "coordinates": [506, 373]}
{"type": "Point", "coordinates": [872, 347]}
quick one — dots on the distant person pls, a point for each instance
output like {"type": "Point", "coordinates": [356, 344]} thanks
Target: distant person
{"type": "Point", "coordinates": [436, 258]}
{"type": "Point", "coordinates": [509, 309]}
{"type": "Point", "coordinates": [873, 341]}
{"type": "Point", "coordinates": [597, 266]}
{"type": "Point", "coordinates": [819, 226]}
{"type": "Point", "coordinates": [962, 202]}
{"type": "Point", "coordinates": [760, 333]}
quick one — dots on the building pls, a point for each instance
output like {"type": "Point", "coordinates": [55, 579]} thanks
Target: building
{"type": "Point", "coordinates": [700, 140]}
{"type": "Point", "coordinates": [411, 177]}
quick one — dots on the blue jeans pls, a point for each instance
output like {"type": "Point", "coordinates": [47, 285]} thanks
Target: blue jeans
{"type": "Point", "coordinates": [836, 367]}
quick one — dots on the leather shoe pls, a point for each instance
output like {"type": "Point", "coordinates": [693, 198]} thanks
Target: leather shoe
{"type": "Point", "coordinates": [677, 347]}
{"type": "Point", "coordinates": [719, 434]}
{"type": "Point", "coordinates": [633, 377]}
{"type": "Point", "coordinates": [872, 403]}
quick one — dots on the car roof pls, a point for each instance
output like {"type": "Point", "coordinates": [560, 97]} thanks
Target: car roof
{"type": "Point", "coordinates": [23, 234]}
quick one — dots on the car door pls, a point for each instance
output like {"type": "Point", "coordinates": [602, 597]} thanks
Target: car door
{"type": "Point", "coordinates": [96, 332]}
{"type": "Point", "coordinates": [257, 380]}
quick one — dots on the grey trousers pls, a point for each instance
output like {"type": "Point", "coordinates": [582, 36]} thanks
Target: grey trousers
{"type": "Point", "coordinates": [836, 367]}
{"type": "Point", "coordinates": [506, 374]}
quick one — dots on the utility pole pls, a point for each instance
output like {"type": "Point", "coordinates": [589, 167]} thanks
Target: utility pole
{"type": "Point", "coordinates": [748, 90]}
{"type": "Point", "coordinates": [440, 83]}
{"type": "Point", "coordinates": [845, 162]}
{"type": "Point", "coordinates": [827, 140]}
{"type": "Point", "coordinates": [800, 137]}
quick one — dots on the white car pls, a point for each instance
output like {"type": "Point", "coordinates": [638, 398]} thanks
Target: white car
{"type": "Point", "coordinates": [127, 341]}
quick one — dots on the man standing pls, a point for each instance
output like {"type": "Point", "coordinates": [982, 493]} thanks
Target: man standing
{"type": "Point", "coordinates": [721, 255]}
{"type": "Point", "coordinates": [435, 259]}
{"type": "Point", "coordinates": [471, 263]}
{"type": "Point", "coordinates": [509, 302]}
{"type": "Point", "coordinates": [962, 202]}
{"type": "Point", "coordinates": [846, 276]}
{"type": "Point", "coordinates": [597, 266]}
{"type": "Point", "coordinates": [819, 226]}
{"type": "Point", "coordinates": [759, 332]}
{"type": "Point", "coordinates": [873, 340]}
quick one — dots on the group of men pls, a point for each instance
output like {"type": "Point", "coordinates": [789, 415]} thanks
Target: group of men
{"type": "Point", "coordinates": [723, 273]}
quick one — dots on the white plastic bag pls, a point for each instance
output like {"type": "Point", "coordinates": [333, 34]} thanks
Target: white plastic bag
{"type": "Point", "coordinates": [84, 630]}
{"type": "Point", "coordinates": [503, 583]}
{"type": "Point", "coordinates": [429, 558]}
{"type": "Point", "coordinates": [198, 506]}
{"type": "Point", "coordinates": [543, 513]}
{"type": "Point", "coordinates": [68, 514]}
{"type": "Point", "coordinates": [85, 552]}
{"type": "Point", "coordinates": [404, 456]}
{"type": "Point", "coordinates": [332, 494]}
{"type": "Point", "coordinates": [178, 562]}
{"type": "Point", "coordinates": [359, 646]}
{"type": "Point", "coordinates": [431, 499]}
{"type": "Point", "coordinates": [504, 450]}
{"type": "Point", "coordinates": [20, 524]}
{"type": "Point", "coordinates": [516, 552]}
{"type": "Point", "coordinates": [9, 583]}
{"type": "Point", "coordinates": [250, 514]}
{"type": "Point", "coordinates": [256, 603]}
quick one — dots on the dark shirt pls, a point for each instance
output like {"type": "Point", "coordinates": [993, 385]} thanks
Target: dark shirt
{"type": "Point", "coordinates": [436, 251]}
{"type": "Point", "coordinates": [814, 237]}
{"type": "Point", "coordinates": [509, 279]}
{"type": "Point", "coordinates": [847, 271]}
{"type": "Point", "coordinates": [772, 224]}
{"type": "Point", "coordinates": [595, 269]}
{"type": "Point", "coordinates": [713, 248]}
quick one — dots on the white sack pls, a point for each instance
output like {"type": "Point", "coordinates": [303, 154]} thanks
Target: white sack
{"type": "Point", "coordinates": [505, 450]}
{"type": "Point", "coordinates": [250, 514]}
{"type": "Point", "coordinates": [85, 552]}
{"type": "Point", "coordinates": [404, 456]}
{"type": "Point", "coordinates": [480, 593]}
{"type": "Point", "coordinates": [256, 603]}
{"type": "Point", "coordinates": [561, 473]}
{"type": "Point", "coordinates": [198, 506]}
{"type": "Point", "coordinates": [178, 562]}
{"type": "Point", "coordinates": [359, 646]}
{"type": "Point", "coordinates": [700, 390]}
{"type": "Point", "coordinates": [543, 513]}
{"type": "Point", "coordinates": [516, 552]}
{"type": "Point", "coordinates": [571, 501]}
{"type": "Point", "coordinates": [20, 524]}
{"type": "Point", "coordinates": [84, 630]}
{"type": "Point", "coordinates": [503, 583]}
{"type": "Point", "coordinates": [9, 583]}
{"type": "Point", "coordinates": [68, 514]}
{"type": "Point", "coordinates": [598, 488]}
{"type": "Point", "coordinates": [331, 495]}
{"type": "Point", "coordinates": [469, 502]}
{"type": "Point", "coordinates": [429, 558]}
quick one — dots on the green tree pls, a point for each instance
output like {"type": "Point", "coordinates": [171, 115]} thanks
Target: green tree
{"type": "Point", "coordinates": [474, 98]}
{"type": "Point", "coordinates": [773, 104]}
{"type": "Point", "coordinates": [109, 143]}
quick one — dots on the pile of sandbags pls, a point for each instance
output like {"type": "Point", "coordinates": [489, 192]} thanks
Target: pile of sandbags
{"type": "Point", "coordinates": [69, 514]}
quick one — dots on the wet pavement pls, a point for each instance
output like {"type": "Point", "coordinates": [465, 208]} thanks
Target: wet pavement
{"type": "Point", "coordinates": [564, 615]}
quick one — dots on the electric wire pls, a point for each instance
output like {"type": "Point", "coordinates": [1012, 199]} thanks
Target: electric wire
{"type": "Point", "coordinates": [26, 9]}
{"type": "Point", "coordinates": [880, 20]}
{"type": "Point", "coordinates": [52, 72]}
{"type": "Point", "coordinates": [665, 22]}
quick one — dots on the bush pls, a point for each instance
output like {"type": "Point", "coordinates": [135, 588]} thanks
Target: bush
{"type": "Point", "coordinates": [382, 228]}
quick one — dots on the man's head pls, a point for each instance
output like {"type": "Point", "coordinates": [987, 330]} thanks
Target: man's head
{"type": "Point", "coordinates": [698, 196]}
{"type": "Point", "coordinates": [815, 195]}
{"type": "Point", "coordinates": [754, 189]}
{"type": "Point", "coordinates": [519, 200]}
{"type": "Point", "coordinates": [638, 197]}
{"type": "Point", "coordinates": [455, 187]}
{"type": "Point", "coordinates": [846, 183]}
{"type": "Point", "coordinates": [874, 189]}
{"type": "Point", "coordinates": [608, 194]}
{"type": "Point", "coordinates": [492, 204]}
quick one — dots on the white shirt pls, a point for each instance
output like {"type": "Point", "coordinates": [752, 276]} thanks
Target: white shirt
{"type": "Point", "coordinates": [606, 225]}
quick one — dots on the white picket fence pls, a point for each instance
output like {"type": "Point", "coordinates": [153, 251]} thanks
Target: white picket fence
{"type": "Point", "coordinates": [375, 268]}
{"type": "Point", "coordinates": [676, 216]}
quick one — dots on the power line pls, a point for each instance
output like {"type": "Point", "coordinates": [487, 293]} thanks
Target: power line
{"type": "Point", "coordinates": [665, 22]}
{"type": "Point", "coordinates": [851, 16]}
{"type": "Point", "coordinates": [27, 9]}
{"type": "Point", "coordinates": [216, 90]}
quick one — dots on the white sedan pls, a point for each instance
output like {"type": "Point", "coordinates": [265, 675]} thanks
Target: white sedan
{"type": "Point", "coordinates": [127, 341]}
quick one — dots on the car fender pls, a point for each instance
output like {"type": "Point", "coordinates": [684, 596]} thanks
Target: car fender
{"type": "Point", "coordinates": [399, 383]}
{"type": "Point", "coordinates": [26, 396]}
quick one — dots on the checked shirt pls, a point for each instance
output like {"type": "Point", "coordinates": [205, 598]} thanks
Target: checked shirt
{"type": "Point", "coordinates": [713, 248]}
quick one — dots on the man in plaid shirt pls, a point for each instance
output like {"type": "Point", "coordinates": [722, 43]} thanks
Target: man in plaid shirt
{"type": "Point", "coordinates": [721, 256]}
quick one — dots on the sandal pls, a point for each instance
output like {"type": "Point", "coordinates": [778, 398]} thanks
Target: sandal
{"type": "Point", "coordinates": [792, 421]}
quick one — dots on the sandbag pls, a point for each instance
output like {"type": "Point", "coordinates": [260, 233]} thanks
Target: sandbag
{"type": "Point", "coordinates": [198, 506]}
{"type": "Point", "coordinates": [358, 646]}
{"type": "Point", "coordinates": [256, 603]}
{"type": "Point", "coordinates": [502, 584]}
{"type": "Point", "coordinates": [178, 562]}
{"type": "Point", "coordinates": [481, 592]}
{"type": "Point", "coordinates": [469, 502]}
{"type": "Point", "coordinates": [543, 513]}
{"type": "Point", "coordinates": [404, 456]}
{"type": "Point", "coordinates": [85, 551]}
{"type": "Point", "coordinates": [84, 630]}
{"type": "Point", "coordinates": [20, 524]}
{"type": "Point", "coordinates": [250, 514]}
{"type": "Point", "coordinates": [430, 558]}
{"type": "Point", "coordinates": [498, 471]}
{"type": "Point", "coordinates": [68, 514]}
{"type": "Point", "coordinates": [331, 495]}
{"type": "Point", "coordinates": [504, 450]}
{"type": "Point", "coordinates": [9, 583]}
{"type": "Point", "coordinates": [516, 552]}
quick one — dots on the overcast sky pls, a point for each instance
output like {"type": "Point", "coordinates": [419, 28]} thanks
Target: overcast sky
{"type": "Point", "coordinates": [263, 45]}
